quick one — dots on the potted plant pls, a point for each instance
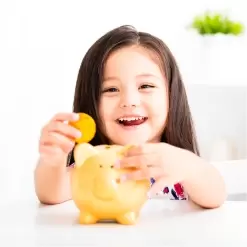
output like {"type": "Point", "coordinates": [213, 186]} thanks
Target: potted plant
{"type": "Point", "coordinates": [215, 23]}
{"type": "Point", "coordinates": [221, 42]}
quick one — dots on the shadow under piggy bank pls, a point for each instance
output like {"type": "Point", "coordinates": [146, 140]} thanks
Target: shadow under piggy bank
{"type": "Point", "coordinates": [153, 213]}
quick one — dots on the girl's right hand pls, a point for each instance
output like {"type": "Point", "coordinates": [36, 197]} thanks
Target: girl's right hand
{"type": "Point", "coordinates": [57, 139]}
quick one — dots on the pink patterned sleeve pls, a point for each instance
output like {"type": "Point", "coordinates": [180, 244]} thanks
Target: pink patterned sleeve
{"type": "Point", "coordinates": [174, 192]}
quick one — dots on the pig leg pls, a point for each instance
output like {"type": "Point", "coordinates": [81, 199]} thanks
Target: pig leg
{"type": "Point", "coordinates": [129, 218]}
{"type": "Point", "coordinates": [87, 218]}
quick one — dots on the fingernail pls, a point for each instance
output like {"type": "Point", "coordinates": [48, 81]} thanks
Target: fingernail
{"type": "Point", "coordinates": [76, 116]}
{"type": "Point", "coordinates": [117, 164]}
{"type": "Point", "coordinates": [123, 178]}
{"type": "Point", "coordinates": [78, 134]}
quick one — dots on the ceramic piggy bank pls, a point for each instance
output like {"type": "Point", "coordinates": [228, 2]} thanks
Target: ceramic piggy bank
{"type": "Point", "coordinates": [97, 191]}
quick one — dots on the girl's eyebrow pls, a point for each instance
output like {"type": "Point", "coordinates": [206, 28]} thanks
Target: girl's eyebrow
{"type": "Point", "coordinates": [110, 78]}
{"type": "Point", "coordinates": [143, 75]}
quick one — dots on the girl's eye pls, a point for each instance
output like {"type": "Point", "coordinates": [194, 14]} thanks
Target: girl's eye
{"type": "Point", "coordinates": [146, 86]}
{"type": "Point", "coordinates": [111, 90]}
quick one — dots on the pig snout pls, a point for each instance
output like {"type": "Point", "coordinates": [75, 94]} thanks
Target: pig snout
{"type": "Point", "coordinates": [105, 185]}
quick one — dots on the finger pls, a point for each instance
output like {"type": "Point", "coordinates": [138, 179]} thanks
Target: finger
{"type": "Point", "coordinates": [139, 161]}
{"type": "Point", "coordinates": [51, 154]}
{"type": "Point", "coordinates": [64, 129]}
{"type": "Point", "coordinates": [70, 116]}
{"type": "Point", "coordinates": [132, 162]}
{"type": "Point", "coordinates": [49, 150]}
{"type": "Point", "coordinates": [140, 174]}
{"type": "Point", "coordinates": [58, 140]}
{"type": "Point", "coordinates": [136, 150]}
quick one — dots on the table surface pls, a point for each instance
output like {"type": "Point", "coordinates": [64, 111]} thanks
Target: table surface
{"type": "Point", "coordinates": [162, 223]}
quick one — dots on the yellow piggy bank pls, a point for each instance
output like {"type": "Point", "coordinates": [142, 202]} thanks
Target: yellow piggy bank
{"type": "Point", "coordinates": [96, 188]}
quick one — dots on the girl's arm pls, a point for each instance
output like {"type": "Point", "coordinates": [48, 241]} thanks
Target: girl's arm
{"type": "Point", "coordinates": [203, 182]}
{"type": "Point", "coordinates": [52, 183]}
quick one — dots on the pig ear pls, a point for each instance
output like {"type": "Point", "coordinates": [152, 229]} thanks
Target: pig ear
{"type": "Point", "coordinates": [82, 152]}
{"type": "Point", "coordinates": [124, 150]}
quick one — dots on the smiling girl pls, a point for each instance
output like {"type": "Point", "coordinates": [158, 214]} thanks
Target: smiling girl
{"type": "Point", "coordinates": [130, 84]}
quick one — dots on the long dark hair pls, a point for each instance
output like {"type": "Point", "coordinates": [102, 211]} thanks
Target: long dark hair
{"type": "Point", "coordinates": [179, 130]}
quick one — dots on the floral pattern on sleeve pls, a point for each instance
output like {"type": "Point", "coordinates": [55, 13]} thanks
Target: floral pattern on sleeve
{"type": "Point", "coordinates": [175, 192]}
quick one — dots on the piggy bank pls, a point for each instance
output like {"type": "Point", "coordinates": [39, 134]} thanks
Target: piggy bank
{"type": "Point", "coordinates": [96, 188]}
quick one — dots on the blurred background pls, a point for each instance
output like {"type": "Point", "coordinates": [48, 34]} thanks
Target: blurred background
{"type": "Point", "coordinates": [43, 43]}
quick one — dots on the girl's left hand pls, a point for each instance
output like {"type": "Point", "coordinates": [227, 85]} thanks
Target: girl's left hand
{"type": "Point", "coordinates": [161, 161]}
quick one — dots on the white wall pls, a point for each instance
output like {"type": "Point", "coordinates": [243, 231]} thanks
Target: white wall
{"type": "Point", "coordinates": [43, 42]}
{"type": "Point", "coordinates": [220, 120]}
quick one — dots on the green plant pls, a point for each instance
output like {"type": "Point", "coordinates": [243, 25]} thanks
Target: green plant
{"type": "Point", "coordinates": [213, 23]}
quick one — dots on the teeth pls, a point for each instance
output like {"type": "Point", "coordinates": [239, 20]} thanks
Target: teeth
{"type": "Point", "coordinates": [131, 118]}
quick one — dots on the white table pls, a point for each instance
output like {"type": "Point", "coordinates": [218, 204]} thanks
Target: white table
{"type": "Point", "coordinates": [162, 223]}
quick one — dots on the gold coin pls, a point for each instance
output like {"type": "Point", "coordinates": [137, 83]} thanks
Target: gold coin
{"type": "Point", "coordinates": [86, 125]}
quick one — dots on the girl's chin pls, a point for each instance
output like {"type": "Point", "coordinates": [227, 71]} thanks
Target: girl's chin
{"type": "Point", "coordinates": [123, 140]}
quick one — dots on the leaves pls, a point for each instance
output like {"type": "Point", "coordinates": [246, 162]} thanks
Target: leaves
{"type": "Point", "coordinates": [216, 23]}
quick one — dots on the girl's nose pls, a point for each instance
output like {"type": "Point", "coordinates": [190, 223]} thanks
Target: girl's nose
{"type": "Point", "coordinates": [130, 100]}
{"type": "Point", "coordinates": [127, 106]}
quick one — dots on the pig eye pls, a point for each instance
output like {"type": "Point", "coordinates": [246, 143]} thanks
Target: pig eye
{"type": "Point", "coordinates": [100, 166]}
{"type": "Point", "coordinates": [112, 166]}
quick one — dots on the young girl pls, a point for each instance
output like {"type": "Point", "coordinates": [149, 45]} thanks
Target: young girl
{"type": "Point", "coordinates": [130, 84]}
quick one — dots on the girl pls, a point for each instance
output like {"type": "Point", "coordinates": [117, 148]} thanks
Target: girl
{"type": "Point", "coordinates": [130, 84]}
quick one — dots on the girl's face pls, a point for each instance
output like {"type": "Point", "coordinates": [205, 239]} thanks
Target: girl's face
{"type": "Point", "coordinates": [134, 101]}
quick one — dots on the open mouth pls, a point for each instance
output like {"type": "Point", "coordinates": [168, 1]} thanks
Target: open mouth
{"type": "Point", "coordinates": [131, 121]}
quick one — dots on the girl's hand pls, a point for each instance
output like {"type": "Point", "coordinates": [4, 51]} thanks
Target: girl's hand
{"type": "Point", "coordinates": [161, 161]}
{"type": "Point", "coordinates": [57, 137]}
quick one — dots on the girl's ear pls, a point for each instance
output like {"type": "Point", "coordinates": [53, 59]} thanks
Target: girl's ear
{"type": "Point", "coordinates": [82, 152]}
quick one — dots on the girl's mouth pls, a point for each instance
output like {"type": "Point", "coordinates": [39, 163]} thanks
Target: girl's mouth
{"type": "Point", "coordinates": [131, 121]}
